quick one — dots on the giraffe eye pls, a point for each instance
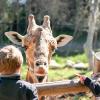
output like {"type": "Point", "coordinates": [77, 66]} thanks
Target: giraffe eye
{"type": "Point", "coordinates": [25, 47]}
{"type": "Point", "coordinates": [53, 48]}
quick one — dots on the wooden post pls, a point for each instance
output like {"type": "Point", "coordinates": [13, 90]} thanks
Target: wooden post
{"type": "Point", "coordinates": [96, 68]}
{"type": "Point", "coordinates": [60, 87]}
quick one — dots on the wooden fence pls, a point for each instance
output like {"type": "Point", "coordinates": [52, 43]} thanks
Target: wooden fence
{"type": "Point", "coordinates": [60, 87]}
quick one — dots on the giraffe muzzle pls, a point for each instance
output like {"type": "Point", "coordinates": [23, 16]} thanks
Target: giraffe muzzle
{"type": "Point", "coordinates": [41, 68]}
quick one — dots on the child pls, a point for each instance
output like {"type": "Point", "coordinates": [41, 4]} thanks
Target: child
{"type": "Point", "coordinates": [93, 85]}
{"type": "Point", "coordinates": [11, 87]}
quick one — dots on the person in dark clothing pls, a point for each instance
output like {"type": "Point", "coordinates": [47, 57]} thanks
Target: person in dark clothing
{"type": "Point", "coordinates": [93, 85]}
{"type": "Point", "coordinates": [11, 86]}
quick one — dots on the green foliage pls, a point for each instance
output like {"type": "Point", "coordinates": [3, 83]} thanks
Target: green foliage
{"type": "Point", "coordinates": [60, 60]}
{"type": "Point", "coordinates": [75, 58]}
{"type": "Point", "coordinates": [78, 58]}
{"type": "Point", "coordinates": [66, 73]}
{"type": "Point", "coordinates": [23, 71]}
{"type": "Point", "coordinates": [62, 74]}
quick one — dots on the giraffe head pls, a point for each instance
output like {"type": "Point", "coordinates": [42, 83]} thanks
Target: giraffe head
{"type": "Point", "coordinates": [39, 45]}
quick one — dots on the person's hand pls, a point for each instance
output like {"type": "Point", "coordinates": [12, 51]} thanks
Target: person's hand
{"type": "Point", "coordinates": [81, 77]}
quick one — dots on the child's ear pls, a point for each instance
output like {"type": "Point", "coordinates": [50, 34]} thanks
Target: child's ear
{"type": "Point", "coordinates": [18, 70]}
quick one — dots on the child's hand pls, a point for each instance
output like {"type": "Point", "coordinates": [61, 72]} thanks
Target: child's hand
{"type": "Point", "coordinates": [81, 77]}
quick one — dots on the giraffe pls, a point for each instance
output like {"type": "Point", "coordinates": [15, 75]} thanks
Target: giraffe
{"type": "Point", "coordinates": [39, 45]}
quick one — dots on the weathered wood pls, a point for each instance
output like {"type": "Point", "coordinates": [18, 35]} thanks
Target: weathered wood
{"type": "Point", "coordinates": [96, 68]}
{"type": "Point", "coordinates": [60, 87]}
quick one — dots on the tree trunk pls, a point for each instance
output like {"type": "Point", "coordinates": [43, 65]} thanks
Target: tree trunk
{"type": "Point", "coordinates": [88, 47]}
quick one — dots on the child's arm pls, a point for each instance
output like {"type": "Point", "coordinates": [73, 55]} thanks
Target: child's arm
{"type": "Point", "coordinates": [93, 86]}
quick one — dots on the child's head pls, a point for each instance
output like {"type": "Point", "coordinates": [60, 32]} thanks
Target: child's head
{"type": "Point", "coordinates": [10, 60]}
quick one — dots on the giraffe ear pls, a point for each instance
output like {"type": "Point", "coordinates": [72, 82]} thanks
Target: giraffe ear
{"type": "Point", "coordinates": [14, 37]}
{"type": "Point", "coordinates": [63, 40]}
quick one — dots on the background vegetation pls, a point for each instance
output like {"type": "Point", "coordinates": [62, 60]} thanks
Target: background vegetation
{"type": "Point", "coordinates": [67, 17]}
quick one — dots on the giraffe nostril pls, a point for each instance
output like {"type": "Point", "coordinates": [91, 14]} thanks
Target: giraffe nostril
{"type": "Point", "coordinates": [37, 64]}
{"type": "Point", "coordinates": [45, 63]}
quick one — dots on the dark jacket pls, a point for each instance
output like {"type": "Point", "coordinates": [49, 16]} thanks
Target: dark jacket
{"type": "Point", "coordinates": [93, 85]}
{"type": "Point", "coordinates": [12, 88]}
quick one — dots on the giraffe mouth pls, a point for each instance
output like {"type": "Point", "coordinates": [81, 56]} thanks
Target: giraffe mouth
{"type": "Point", "coordinates": [40, 78]}
{"type": "Point", "coordinates": [41, 74]}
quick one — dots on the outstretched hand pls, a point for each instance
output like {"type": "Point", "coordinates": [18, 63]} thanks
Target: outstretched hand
{"type": "Point", "coordinates": [81, 78]}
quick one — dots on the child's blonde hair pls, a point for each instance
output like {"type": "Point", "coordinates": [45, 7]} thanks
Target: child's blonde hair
{"type": "Point", "coordinates": [10, 59]}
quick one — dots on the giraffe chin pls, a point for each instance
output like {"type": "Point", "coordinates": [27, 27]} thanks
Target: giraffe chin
{"type": "Point", "coordinates": [40, 78]}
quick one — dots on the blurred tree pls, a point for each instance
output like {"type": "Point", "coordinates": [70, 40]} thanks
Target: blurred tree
{"type": "Point", "coordinates": [94, 11]}
{"type": "Point", "coordinates": [67, 16]}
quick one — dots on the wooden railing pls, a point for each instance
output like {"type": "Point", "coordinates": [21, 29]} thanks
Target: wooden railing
{"type": "Point", "coordinates": [60, 87]}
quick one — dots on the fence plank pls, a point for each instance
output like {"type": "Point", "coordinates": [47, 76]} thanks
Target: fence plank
{"type": "Point", "coordinates": [60, 87]}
